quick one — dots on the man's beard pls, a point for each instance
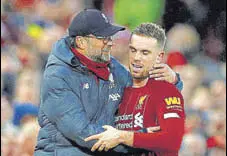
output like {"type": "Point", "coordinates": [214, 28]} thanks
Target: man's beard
{"type": "Point", "coordinates": [140, 77]}
{"type": "Point", "coordinates": [100, 58]}
{"type": "Point", "coordinates": [101, 55]}
{"type": "Point", "coordinates": [143, 77]}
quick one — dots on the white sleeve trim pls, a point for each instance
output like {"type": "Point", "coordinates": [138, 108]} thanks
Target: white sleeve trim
{"type": "Point", "coordinates": [171, 115]}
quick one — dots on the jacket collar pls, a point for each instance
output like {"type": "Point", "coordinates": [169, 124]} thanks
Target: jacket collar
{"type": "Point", "coordinates": [61, 50]}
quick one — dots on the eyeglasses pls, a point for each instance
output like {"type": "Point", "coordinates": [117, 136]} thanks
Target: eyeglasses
{"type": "Point", "coordinates": [105, 39]}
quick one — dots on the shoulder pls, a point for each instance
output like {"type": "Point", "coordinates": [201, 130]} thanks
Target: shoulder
{"type": "Point", "coordinates": [165, 84]}
{"type": "Point", "coordinates": [61, 52]}
{"type": "Point", "coordinates": [118, 66]}
{"type": "Point", "coordinates": [58, 70]}
{"type": "Point", "coordinates": [164, 89]}
{"type": "Point", "coordinates": [120, 72]}
{"type": "Point", "coordinates": [168, 98]}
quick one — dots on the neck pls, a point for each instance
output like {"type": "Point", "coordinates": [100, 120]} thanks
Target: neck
{"type": "Point", "coordinates": [138, 83]}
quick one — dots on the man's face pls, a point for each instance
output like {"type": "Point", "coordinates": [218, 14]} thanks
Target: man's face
{"type": "Point", "coordinates": [143, 52]}
{"type": "Point", "coordinates": [98, 49]}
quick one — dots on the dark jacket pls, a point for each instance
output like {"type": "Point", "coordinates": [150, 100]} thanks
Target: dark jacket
{"type": "Point", "coordinates": [73, 105]}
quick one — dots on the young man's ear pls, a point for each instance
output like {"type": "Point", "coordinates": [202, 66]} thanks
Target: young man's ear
{"type": "Point", "coordinates": [80, 43]}
{"type": "Point", "coordinates": [160, 57]}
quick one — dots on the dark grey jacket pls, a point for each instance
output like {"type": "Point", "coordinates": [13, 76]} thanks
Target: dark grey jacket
{"type": "Point", "coordinates": [73, 105]}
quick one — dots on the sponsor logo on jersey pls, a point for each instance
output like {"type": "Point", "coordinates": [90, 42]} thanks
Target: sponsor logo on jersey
{"type": "Point", "coordinates": [124, 121]}
{"type": "Point", "coordinates": [123, 117]}
{"type": "Point", "coordinates": [124, 125]}
{"type": "Point", "coordinates": [175, 107]}
{"type": "Point", "coordinates": [172, 101]}
{"type": "Point", "coordinates": [138, 121]}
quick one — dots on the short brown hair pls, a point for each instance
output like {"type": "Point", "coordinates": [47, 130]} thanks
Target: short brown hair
{"type": "Point", "coordinates": [152, 30]}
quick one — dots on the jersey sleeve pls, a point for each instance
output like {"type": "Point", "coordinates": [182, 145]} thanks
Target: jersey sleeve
{"type": "Point", "coordinates": [171, 118]}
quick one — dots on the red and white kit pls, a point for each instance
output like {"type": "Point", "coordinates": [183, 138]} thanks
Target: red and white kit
{"type": "Point", "coordinates": [158, 103]}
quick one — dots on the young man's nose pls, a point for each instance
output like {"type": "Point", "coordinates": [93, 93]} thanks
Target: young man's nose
{"type": "Point", "coordinates": [137, 56]}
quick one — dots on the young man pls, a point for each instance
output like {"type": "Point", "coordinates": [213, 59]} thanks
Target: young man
{"type": "Point", "coordinates": [147, 103]}
{"type": "Point", "coordinates": [82, 87]}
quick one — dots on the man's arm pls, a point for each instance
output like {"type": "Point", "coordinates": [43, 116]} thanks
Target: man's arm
{"type": "Point", "coordinates": [171, 120]}
{"type": "Point", "coordinates": [64, 109]}
{"type": "Point", "coordinates": [168, 139]}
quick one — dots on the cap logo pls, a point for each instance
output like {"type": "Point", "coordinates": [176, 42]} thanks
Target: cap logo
{"type": "Point", "coordinates": [105, 18]}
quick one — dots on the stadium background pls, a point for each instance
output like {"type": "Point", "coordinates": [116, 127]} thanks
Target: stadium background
{"type": "Point", "coordinates": [196, 31]}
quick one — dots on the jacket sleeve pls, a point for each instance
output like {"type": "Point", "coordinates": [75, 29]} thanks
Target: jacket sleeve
{"type": "Point", "coordinates": [179, 83]}
{"type": "Point", "coordinates": [64, 109]}
{"type": "Point", "coordinates": [170, 112]}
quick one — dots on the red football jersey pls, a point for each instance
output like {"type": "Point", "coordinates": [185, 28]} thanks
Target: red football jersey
{"type": "Point", "coordinates": [158, 103]}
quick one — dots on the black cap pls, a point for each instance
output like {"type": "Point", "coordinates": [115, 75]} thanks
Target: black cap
{"type": "Point", "coordinates": [92, 21]}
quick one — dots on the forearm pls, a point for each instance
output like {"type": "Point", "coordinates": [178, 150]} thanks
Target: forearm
{"type": "Point", "coordinates": [126, 137]}
{"type": "Point", "coordinates": [157, 140]}
{"type": "Point", "coordinates": [126, 143]}
{"type": "Point", "coordinates": [168, 139]}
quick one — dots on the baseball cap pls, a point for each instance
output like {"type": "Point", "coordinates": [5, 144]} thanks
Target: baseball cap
{"type": "Point", "coordinates": [92, 21]}
{"type": "Point", "coordinates": [176, 58]}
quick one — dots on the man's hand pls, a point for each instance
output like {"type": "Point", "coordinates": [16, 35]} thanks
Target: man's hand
{"type": "Point", "coordinates": [113, 137]}
{"type": "Point", "coordinates": [162, 71]}
{"type": "Point", "coordinates": [106, 140]}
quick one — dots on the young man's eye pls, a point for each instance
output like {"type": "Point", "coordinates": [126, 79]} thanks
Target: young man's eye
{"type": "Point", "coordinates": [145, 52]}
{"type": "Point", "coordinates": [132, 50]}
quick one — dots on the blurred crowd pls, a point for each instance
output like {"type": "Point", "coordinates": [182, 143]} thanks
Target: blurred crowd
{"type": "Point", "coordinates": [195, 48]}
